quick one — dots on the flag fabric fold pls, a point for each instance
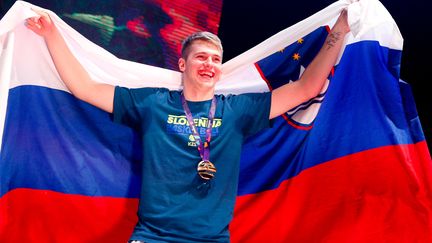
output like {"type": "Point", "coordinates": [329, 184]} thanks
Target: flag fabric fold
{"type": "Point", "coordinates": [350, 165]}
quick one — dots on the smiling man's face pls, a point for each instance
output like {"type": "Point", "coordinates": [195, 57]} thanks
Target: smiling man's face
{"type": "Point", "coordinates": [202, 66]}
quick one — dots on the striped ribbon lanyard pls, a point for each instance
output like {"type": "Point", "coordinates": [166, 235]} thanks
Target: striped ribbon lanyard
{"type": "Point", "coordinates": [205, 168]}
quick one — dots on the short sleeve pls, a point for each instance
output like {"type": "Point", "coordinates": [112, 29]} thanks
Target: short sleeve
{"type": "Point", "coordinates": [254, 111]}
{"type": "Point", "coordinates": [131, 105]}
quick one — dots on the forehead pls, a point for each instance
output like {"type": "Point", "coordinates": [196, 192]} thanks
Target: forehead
{"type": "Point", "coordinates": [200, 46]}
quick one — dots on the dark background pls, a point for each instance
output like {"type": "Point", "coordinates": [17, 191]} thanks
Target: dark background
{"type": "Point", "coordinates": [246, 23]}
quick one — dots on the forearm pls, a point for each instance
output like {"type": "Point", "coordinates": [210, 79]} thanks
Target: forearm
{"type": "Point", "coordinates": [318, 70]}
{"type": "Point", "coordinates": [314, 77]}
{"type": "Point", "coordinates": [70, 70]}
{"type": "Point", "coordinates": [75, 77]}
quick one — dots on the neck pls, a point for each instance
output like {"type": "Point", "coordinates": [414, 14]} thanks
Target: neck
{"type": "Point", "coordinates": [198, 94]}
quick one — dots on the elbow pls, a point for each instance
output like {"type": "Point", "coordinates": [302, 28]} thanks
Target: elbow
{"type": "Point", "coordinates": [313, 88]}
{"type": "Point", "coordinates": [81, 95]}
{"type": "Point", "coordinates": [314, 93]}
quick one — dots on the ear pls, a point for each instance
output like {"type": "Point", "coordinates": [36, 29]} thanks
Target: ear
{"type": "Point", "coordinates": [182, 64]}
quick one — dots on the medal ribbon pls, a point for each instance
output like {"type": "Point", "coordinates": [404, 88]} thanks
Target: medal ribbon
{"type": "Point", "coordinates": [203, 148]}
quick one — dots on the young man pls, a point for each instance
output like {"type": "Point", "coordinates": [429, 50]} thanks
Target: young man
{"type": "Point", "coordinates": [191, 138]}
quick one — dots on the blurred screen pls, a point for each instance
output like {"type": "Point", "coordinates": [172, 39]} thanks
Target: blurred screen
{"type": "Point", "coordinates": [145, 31]}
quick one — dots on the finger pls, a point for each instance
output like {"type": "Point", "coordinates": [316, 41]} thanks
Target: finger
{"type": "Point", "coordinates": [42, 14]}
{"type": "Point", "coordinates": [31, 24]}
{"type": "Point", "coordinates": [32, 21]}
{"type": "Point", "coordinates": [32, 27]}
{"type": "Point", "coordinates": [35, 19]}
{"type": "Point", "coordinates": [344, 11]}
{"type": "Point", "coordinates": [28, 22]}
{"type": "Point", "coordinates": [45, 19]}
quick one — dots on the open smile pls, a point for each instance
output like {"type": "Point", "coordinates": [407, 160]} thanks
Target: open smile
{"type": "Point", "coordinates": [207, 74]}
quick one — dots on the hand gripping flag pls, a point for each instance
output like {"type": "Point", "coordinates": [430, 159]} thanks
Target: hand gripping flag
{"type": "Point", "coordinates": [350, 165]}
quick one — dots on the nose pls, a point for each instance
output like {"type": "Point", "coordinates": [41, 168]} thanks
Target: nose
{"type": "Point", "coordinates": [208, 61]}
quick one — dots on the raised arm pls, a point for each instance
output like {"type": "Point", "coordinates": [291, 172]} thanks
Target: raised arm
{"type": "Point", "coordinates": [311, 82]}
{"type": "Point", "coordinates": [69, 68]}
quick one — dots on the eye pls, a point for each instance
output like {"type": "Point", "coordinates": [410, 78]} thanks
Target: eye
{"type": "Point", "coordinates": [201, 57]}
{"type": "Point", "coordinates": [217, 59]}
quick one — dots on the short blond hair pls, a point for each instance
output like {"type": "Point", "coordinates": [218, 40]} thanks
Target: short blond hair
{"type": "Point", "coordinates": [202, 36]}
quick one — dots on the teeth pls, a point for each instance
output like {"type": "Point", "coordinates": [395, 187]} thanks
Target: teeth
{"type": "Point", "coordinates": [210, 74]}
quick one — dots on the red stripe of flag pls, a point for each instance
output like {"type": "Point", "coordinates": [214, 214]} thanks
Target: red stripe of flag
{"type": "Point", "coordinates": [379, 195]}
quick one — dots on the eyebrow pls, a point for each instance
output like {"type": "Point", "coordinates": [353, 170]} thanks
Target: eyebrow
{"type": "Point", "coordinates": [207, 53]}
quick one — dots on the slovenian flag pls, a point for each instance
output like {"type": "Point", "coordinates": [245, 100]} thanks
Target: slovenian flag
{"type": "Point", "coordinates": [350, 165]}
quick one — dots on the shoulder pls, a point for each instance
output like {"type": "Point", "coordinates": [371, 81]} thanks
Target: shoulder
{"type": "Point", "coordinates": [141, 93]}
{"type": "Point", "coordinates": [144, 90]}
{"type": "Point", "coordinates": [244, 98]}
{"type": "Point", "coordinates": [141, 96]}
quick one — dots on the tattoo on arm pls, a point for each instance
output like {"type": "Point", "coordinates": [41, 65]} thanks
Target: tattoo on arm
{"type": "Point", "coordinates": [332, 39]}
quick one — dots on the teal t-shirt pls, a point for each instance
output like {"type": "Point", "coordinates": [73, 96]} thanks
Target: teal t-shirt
{"type": "Point", "coordinates": [176, 205]}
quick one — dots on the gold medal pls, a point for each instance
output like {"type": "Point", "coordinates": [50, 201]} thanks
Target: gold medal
{"type": "Point", "coordinates": [206, 169]}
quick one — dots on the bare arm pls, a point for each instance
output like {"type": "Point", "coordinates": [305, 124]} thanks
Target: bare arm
{"type": "Point", "coordinates": [311, 82]}
{"type": "Point", "coordinates": [69, 68]}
